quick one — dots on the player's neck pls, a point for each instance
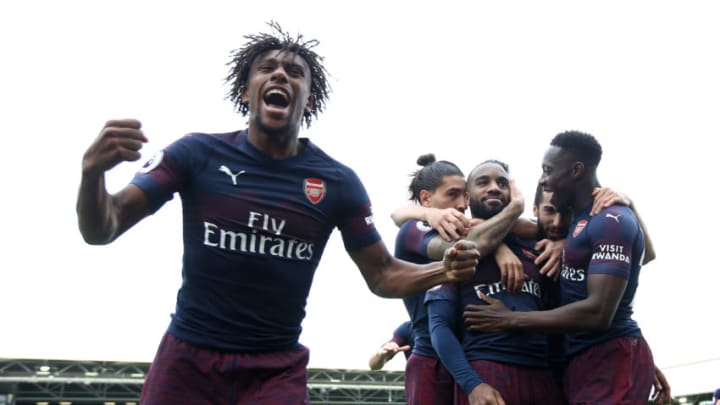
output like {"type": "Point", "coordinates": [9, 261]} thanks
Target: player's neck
{"type": "Point", "coordinates": [584, 195]}
{"type": "Point", "coordinates": [275, 145]}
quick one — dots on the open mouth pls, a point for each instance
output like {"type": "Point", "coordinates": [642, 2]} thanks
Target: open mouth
{"type": "Point", "coordinates": [276, 98]}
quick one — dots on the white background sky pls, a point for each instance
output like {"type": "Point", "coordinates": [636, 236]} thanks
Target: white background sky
{"type": "Point", "coordinates": [496, 80]}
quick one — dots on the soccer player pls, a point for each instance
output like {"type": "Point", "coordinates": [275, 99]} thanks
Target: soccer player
{"type": "Point", "coordinates": [609, 360]}
{"type": "Point", "coordinates": [494, 368]}
{"type": "Point", "coordinates": [439, 185]}
{"type": "Point", "coordinates": [401, 341]}
{"type": "Point", "coordinates": [259, 205]}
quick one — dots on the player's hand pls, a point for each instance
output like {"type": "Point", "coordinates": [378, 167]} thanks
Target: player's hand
{"type": "Point", "coordinates": [460, 260]}
{"type": "Point", "coordinates": [605, 197]}
{"type": "Point", "coordinates": [516, 196]}
{"type": "Point", "coordinates": [512, 274]}
{"type": "Point", "coordinates": [390, 349]}
{"type": "Point", "coordinates": [661, 389]}
{"type": "Point", "coordinates": [550, 257]}
{"type": "Point", "coordinates": [450, 223]}
{"type": "Point", "coordinates": [492, 317]}
{"type": "Point", "coordinates": [485, 394]}
{"type": "Point", "coordinates": [119, 141]}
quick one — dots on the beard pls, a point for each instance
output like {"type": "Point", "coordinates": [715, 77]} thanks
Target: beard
{"type": "Point", "coordinates": [480, 210]}
{"type": "Point", "coordinates": [554, 233]}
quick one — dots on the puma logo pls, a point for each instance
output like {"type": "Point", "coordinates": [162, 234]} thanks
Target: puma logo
{"type": "Point", "coordinates": [232, 175]}
{"type": "Point", "coordinates": [615, 217]}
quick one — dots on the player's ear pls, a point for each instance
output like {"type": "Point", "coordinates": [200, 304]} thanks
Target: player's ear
{"type": "Point", "coordinates": [425, 198]}
{"type": "Point", "coordinates": [309, 104]}
{"type": "Point", "coordinates": [578, 170]}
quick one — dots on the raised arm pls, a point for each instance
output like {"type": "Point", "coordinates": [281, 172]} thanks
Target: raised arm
{"type": "Point", "coordinates": [450, 223]}
{"type": "Point", "coordinates": [389, 277]}
{"type": "Point", "coordinates": [488, 234]}
{"type": "Point", "coordinates": [103, 217]}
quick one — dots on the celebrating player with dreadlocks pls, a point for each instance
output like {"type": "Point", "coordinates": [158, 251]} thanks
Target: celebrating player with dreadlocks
{"type": "Point", "coordinates": [259, 205]}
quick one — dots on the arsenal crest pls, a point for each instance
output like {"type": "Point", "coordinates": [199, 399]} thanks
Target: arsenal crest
{"type": "Point", "coordinates": [314, 190]}
{"type": "Point", "coordinates": [529, 254]}
{"type": "Point", "coordinates": [579, 227]}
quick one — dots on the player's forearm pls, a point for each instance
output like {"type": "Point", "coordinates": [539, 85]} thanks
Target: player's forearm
{"type": "Point", "coordinates": [407, 213]}
{"type": "Point", "coordinates": [577, 316]}
{"type": "Point", "coordinates": [487, 235]}
{"type": "Point", "coordinates": [95, 210]}
{"type": "Point", "coordinates": [446, 345]}
{"type": "Point", "coordinates": [404, 279]}
{"type": "Point", "coordinates": [490, 233]}
{"type": "Point", "coordinates": [594, 313]}
{"type": "Point", "coordinates": [525, 228]}
{"type": "Point", "coordinates": [377, 361]}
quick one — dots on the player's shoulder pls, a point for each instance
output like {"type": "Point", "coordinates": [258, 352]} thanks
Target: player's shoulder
{"type": "Point", "coordinates": [412, 228]}
{"type": "Point", "coordinates": [615, 214]}
{"type": "Point", "coordinates": [617, 218]}
{"type": "Point", "coordinates": [199, 139]}
{"type": "Point", "coordinates": [319, 159]}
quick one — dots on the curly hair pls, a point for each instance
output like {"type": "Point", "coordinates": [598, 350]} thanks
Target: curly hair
{"type": "Point", "coordinates": [431, 175]}
{"type": "Point", "coordinates": [257, 44]}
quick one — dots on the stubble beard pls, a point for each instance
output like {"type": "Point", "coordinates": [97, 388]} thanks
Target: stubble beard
{"type": "Point", "coordinates": [479, 210]}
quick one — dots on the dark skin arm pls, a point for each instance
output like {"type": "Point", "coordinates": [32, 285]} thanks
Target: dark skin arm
{"type": "Point", "coordinates": [489, 233]}
{"type": "Point", "coordinates": [103, 217]}
{"type": "Point", "coordinates": [389, 277]}
{"type": "Point", "coordinates": [525, 228]}
{"type": "Point", "coordinates": [593, 313]}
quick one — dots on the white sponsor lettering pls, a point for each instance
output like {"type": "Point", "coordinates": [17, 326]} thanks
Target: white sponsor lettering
{"type": "Point", "coordinates": [268, 223]}
{"type": "Point", "coordinates": [369, 220]}
{"type": "Point", "coordinates": [611, 253]}
{"type": "Point", "coordinates": [529, 287]}
{"type": "Point", "coordinates": [569, 273]}
{"type": "Point", "coordinates": [251, 242]}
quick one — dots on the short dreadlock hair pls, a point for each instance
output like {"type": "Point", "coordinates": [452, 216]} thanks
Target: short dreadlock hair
{"type": "Point", "coordinates": [256, 45]}
{"type": "Point", "coordinates": [581, 145]}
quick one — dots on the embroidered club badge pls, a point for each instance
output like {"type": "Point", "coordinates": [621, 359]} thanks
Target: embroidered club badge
{"type": "Point", "coordinates": [314, 190]}
{"type": "Point", "coordinates": [579, 227]}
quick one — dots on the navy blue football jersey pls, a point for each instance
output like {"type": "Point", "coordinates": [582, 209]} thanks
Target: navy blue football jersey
{"type": "Point", "coordinates": [254, 229]}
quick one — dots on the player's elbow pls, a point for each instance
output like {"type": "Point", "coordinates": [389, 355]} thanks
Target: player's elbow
{"type": "Point", "coordinates": [599, 322]}
{"type": "Point", "coordinates": [649, 256]}
{"type": "Point", "coordinates": [485, 247]}
{"type": "Point", "coordinates": [383, 289]}
{"type": "Point", "coordinates": [396, 218]}
{"type": "Point", "coordinates": [94, 237]}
